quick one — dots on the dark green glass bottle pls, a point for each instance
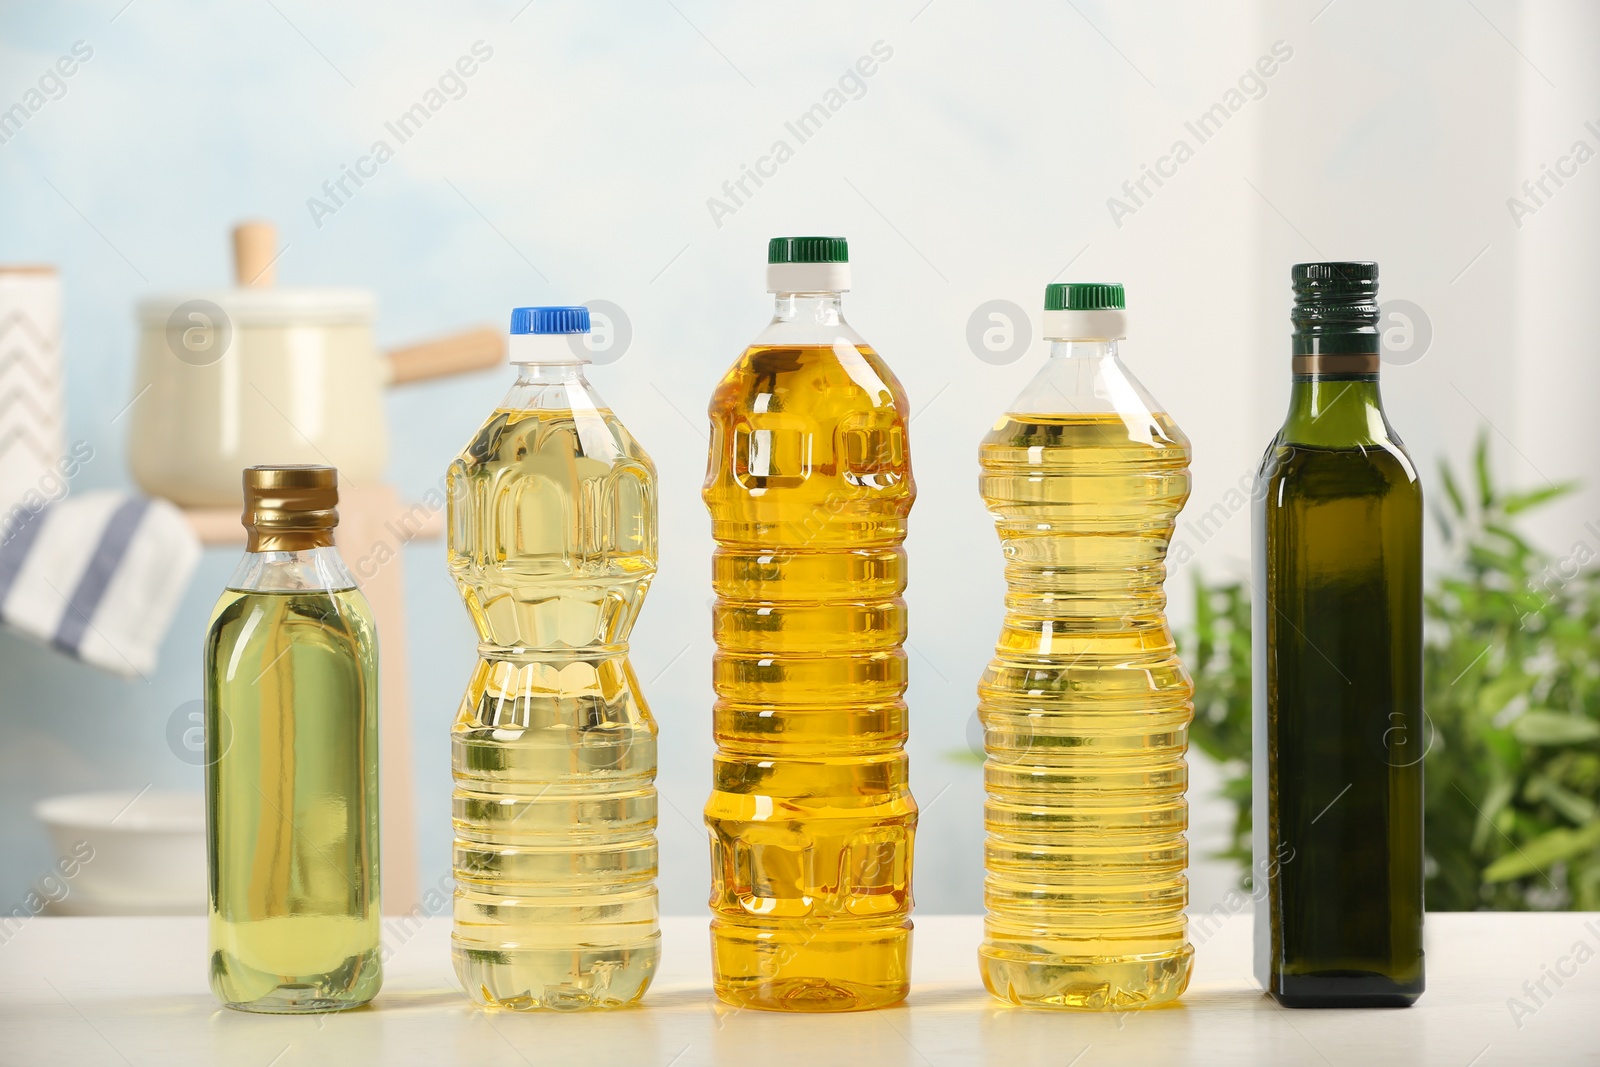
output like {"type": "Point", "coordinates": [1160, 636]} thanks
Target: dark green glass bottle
{"type": "Point", "coordinates": [1338, 670]}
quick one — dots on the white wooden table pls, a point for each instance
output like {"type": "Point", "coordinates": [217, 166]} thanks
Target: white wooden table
{"type": "Point", "coordinates": [133, 992]}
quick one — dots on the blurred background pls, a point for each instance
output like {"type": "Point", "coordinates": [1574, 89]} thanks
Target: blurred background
{"type": "Point", "coordinates": [603, 154]}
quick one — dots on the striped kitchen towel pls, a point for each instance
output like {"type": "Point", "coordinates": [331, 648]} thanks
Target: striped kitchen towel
{"type": "Point", "coordinates": [98, 575]}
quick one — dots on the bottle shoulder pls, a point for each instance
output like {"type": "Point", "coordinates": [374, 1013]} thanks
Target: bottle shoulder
{"type": "Point", "coordinates": [1290, 468]}
{"type": "Point", "coordinates": [555, 401]}
{"type": "Point", "coordinates": [769, 379]}
{"type": "Point", "coordinates": [255, 615]}
{"type": "Point", "coordinates": [819, 326]}
{"type": "Point", "coordinates": [1136, 438]}
{"type": "Point", "coordinates": [319, 569]}
{"type": "Point", "coordinates": [513, 436]}
{"type": "Point", "coordinates": [1083, 378]}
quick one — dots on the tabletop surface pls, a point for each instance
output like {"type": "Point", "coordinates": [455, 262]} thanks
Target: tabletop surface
{"type": "Point", "coordinates": [1502, 988]}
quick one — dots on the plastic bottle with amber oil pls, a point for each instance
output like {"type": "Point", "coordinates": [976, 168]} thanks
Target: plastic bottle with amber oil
{"type": "Point", "coordinates": [291, 734]}
{"type": "Point", "coordinates": [1085, 706]}
{"type": "Point", "coordinates": [811, 817]}
{"type": "Point", "coordinates": [1337, 630]}
{"type": "Point", "coordinates": [552, 544]}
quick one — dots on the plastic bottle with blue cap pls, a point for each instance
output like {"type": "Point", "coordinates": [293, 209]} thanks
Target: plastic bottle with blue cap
{"type": "Point", "coordinates": [552, 543]}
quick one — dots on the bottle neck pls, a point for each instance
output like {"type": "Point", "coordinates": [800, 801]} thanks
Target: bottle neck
{"type": "Point", "coordinates": [1336, 353]}
{"type": "Point", "coordinates": [309, 569]}
{"type": "Point", "coordinates": [1336, 410]}
{"type": "Point", "coordinates": [809, 309]}
{"type": "Point", "coordinates": [537, 374]}
{"type": "Point", "coordinates": [808, 319]}
{"type": "Point", "coordinates": [1077, 349]}
{"type": "Point", "coordinates": [551, 387]}
{"type": "Point", "coordinates": [285, 537]}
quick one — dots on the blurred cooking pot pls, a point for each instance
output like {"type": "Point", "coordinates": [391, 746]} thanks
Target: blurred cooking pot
{"type": "Point", "coordinates": [231, 378]}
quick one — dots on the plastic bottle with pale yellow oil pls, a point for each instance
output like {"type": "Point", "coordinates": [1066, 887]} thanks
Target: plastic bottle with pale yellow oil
{"type": "Point", "coordinates": [1085, 706]}
{"type": "Point", "coordinates": [552, 543]}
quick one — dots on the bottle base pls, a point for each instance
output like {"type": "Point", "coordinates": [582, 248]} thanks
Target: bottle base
{"type": "Point", "coordinates": [810, 995]}
{"type": "Point", "coordinates": [1037, 980]}
{"type": "Point", "coordinates": [1348, 989]}
{"type": "Point", "coordinates": [580, 978]}
{"type": "Point", "coordinates": [833, 969]}
{"type": "Point", "coordinates": [295, 1000]}
{"type": "Point", "coordinates": [353, 984]}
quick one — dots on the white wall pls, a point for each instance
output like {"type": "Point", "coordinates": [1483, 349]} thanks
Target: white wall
{"type": "Point", "coordinates": [1554, 360]}
{"type": "Point", "coordinates": [977, 164]}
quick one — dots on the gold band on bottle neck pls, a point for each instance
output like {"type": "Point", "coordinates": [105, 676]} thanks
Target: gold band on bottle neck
{"type": "Point", "coordinates": [1339, 363]}
{"type": "Point", "coordinates": [290, 508]}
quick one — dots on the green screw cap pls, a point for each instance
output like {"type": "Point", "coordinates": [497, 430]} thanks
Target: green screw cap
{"type": "Point", "coordinates": [1334, 281]}
{"type": "Point", "coordinates": [808, 250]}
{"type": "Point", "coordinates": [1335, 308]}
{"type": "Point", "coordinates": [1084, 296]}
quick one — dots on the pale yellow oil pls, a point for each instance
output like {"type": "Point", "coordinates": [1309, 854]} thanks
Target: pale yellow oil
{"type": "Point", "coordinates": [1086, 711]}
{"type": "Point", "coordinates": [811, 817]}
{"type": "Point", "coordinates": [292, 796]}
{"type": "Point", "coordinates": [552, 537]}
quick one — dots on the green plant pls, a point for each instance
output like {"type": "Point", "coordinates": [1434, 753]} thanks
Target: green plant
{"type": "Point", "coordinates": [1513, 688]}
{"type": "Point", "coordinates": [1512, 693]}
{"type": "Point", "coordinates": [1217, 652]}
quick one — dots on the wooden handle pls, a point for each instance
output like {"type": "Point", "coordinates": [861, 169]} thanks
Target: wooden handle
{"type": "Point", "coordinates": [255, 251]}
{"type": "Point", "coordinates": [460, 353]}
{"type": "Point", "coordinates": [221, 526]}
{"type": "Point", "coordinates": [216, 526]}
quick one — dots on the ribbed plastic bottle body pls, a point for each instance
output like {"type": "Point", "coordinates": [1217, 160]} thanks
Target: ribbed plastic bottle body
{"type": "Point", "coordinates": [553, 545]}
{"type": "Point", "coordinates": [1085, 706]}
{"type": "Point", "coordinates": [811, 817]}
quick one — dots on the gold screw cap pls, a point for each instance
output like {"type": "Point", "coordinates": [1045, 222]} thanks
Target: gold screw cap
{"type": "Point", "coordinates": [290, 508]}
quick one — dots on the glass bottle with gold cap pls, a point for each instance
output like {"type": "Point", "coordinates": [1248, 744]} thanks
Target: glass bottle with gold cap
{"type": "Point", "coordinates": [291, 734]}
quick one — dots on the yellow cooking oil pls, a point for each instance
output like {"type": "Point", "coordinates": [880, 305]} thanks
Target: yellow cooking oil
{"type": "Point", "coordinates": [552, 544]}
{"type": "Point", "coordinates": [292, 797]}
{"type": "Point", "coordinates": [811, 818]}
{"type": "Point", "coordinates": [1085, 709]}
{"type": "Point", "coordinates": [1085, 706]}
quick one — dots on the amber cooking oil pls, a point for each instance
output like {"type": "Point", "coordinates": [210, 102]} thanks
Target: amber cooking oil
{"type": "Point", "coordinates": [812, 820]}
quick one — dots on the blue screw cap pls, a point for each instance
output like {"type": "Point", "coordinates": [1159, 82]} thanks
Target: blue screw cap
{"type": "Point", "coordinates": [550, 320]}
